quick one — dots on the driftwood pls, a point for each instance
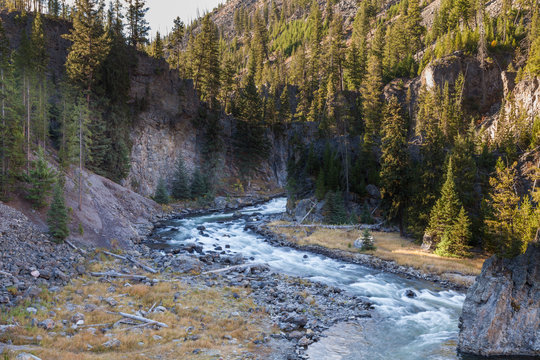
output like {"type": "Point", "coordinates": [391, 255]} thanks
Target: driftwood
{"type": "Point", "coordinates": [4, 328]}
{"type": "Point", "coordinates": [74, 247]}
{"type": "Point", "coordinates": [119, 275]}
{"type": "Point", "coordinates": [332, 227]}
{"type": "Point", "coordinates": [130, 259]}
{"type": "Point", "coordinates": [6, 274]}
{"type": "Point", "coordinates": [229, 268]}
{"type": "Point", "coordinates": [143, 319]}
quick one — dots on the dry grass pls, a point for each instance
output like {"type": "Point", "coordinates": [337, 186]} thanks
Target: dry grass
{"type": "Point", "coordinates": [390, 246]}
{"type": "Point", "coordinates": [198, 319]}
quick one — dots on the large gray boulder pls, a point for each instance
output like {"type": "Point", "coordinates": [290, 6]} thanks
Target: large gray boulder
{"type": "Point", "coordinates": [501, 313]}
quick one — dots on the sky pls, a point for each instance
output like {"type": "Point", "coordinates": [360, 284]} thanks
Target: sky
{"type": "Point", "coordinates": [163, 12]}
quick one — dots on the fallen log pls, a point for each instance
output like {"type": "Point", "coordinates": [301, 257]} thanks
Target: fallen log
{"type": "Point", "coordinates": [331, 227]}
{"type": "Point", "coordinates": [74, 247]}
{"type": "Point", "coordinates": [130, 259]}
{"type": "Point", "coordinates": [230, 268]}
{"type": "Point", "coordinates": [119, 275]}
{"type": "Point", "coordinates": [142, 319]}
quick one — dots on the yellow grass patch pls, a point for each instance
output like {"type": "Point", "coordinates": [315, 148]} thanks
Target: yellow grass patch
{"type": "Point", "coordinates": [390, 246]}
{"type": "Point", "coordinates": [198, 320]}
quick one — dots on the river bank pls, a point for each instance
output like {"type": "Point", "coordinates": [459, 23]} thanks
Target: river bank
{"type": "Point", "coordinates": [448, 280]}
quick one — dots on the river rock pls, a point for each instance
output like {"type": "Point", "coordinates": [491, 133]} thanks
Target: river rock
{"type": "Point", "coordinates": [501, 313]}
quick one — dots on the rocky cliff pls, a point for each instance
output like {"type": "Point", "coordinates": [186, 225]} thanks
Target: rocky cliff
{"type": "Point", "coordinates": [501, 314]}
{"type": "Point", "coordinates": [169, 125]}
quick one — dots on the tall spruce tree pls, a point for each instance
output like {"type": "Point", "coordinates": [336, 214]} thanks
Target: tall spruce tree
{"type": "Point", "coordinates": [181, 186]}
{"type": "Point", "coordinates": [503, 237]}
{"type": "Point", "coordinates": [137, 24]}
{"type": "Point", "coordinates": [205, 62]}
{"type": "Point", "coordinates": [455, 240]}
{"type": "Point", "coordinates": [394, 162]}
{"type": "Point", "coordinates": [40, 180]}
{"type": "Point", "coordinates": [57, 217]}
{"type": "Point", "coordinates": [89, 48]}
{"type": "Point", "coordinates": [446, 209]}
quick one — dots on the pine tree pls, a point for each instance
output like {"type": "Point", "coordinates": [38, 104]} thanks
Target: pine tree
{"type": "Point", "coordinates": [40, 180]}
{"type": "Point", "coordinates": [367, 241]}
{"type": "Point", "coordinates": [371, 92]}
{"type": "Point", "coordinates": [284, 111]}
{"type": "Point", "coordinates": [446, 208]}
{"type": "Point", "coordinates": [176, 37]}
{"type": "Point", "coordinates": [157, 47]}
{"type": "Point", "coordinates": [57, 217]}
{"type": "Point", "coordinates": [533, 63]}
{"type": "Point", "coordinates": [180, 186]}
{"type": "Point", "coordinates": [89, 48]}
{"type": "Point", "coordinates": [503, 237]}
{"type": "Point", "coordinates": [394, 162]}
{"type": "Point", "coordinates": [205, 62]}
{"type": "Point", "coordinates": [414, 26]}
{"type": "Point", "coordinates": [137, 25]}
{"type": "Point", "coordinates": [455, 240]}
{"type": "Point", "coordinates": [320, 189]}
{"type": "Point", "coordinates": [161, 196]}
{"type": "Point", "coordinates": [198, 184]}
{"type": "Point", "coordinates": [335, 208]}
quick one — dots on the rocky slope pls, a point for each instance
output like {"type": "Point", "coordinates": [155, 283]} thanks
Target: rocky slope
{"type": "Point", "coordinates": [501, 314]}
{"type": "Point", "coordinates": [29, 260]}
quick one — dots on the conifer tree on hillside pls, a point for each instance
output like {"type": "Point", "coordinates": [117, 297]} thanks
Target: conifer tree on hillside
{"type": "Point", "coordinates": [533, 63]}
{"type": "Point", "coordinates": [137, 25]}
{"type": "Point", "coordinates": [446, 209]}
{"type": "Point", "coordinates": [89, 48]}
{"type": "Point", "coordinates": [512, 223]}
{"type": "Point", "coordinates": [181, 186]}
{"type": "Point", "coordinates": [156, 50]}
{"type": "Point", "coordinates": [174, 45]}
{"type": "Point", "coordinates": [371, 91]}
{"type": "Point", "coordinates": [57, 217]}
{"type": "Point", "coordinates": [205, 62]}
{"type": "Point", "coordinates": [198, 184]}
{"type": "Point", "coordinates": [40, 180]}
{"type": "Point", "coordinates": [161, 196]}
{"type": "Point", "coordinates": [394, 162]}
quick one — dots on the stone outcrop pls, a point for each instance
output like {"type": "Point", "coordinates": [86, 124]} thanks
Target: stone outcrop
{"type": "Point", "coordinates": [483, 87]}
{"type": "Point", "coordinates": [501, 314]}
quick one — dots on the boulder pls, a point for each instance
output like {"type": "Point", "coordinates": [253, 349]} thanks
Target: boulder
{"type": "Point", "coordinates": [373, 191]}
{"type": "Point", "coordinates": [428, 242]}
{"type": "Point", "coordinates": [302, 208]}
{"type": "Point", "coordinates": [501, 313]}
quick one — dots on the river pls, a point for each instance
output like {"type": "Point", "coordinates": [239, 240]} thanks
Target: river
{"type": "Point", "coordinates": [405, 328]}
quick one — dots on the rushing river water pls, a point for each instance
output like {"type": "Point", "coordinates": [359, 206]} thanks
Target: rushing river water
{"type": "Point", "coordinates": [423, 327]}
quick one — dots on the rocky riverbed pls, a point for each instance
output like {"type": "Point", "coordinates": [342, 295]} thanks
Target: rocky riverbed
{"type": "Point", "coordinates": [302, 310]}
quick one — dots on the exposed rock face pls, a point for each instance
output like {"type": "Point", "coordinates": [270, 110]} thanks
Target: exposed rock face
{"type": "Point", "coordinates": [164, 128]}
{"type": "Point", "coordinates": [501, 314]}
{"type": "Point", "coordinates": [482, 88]}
